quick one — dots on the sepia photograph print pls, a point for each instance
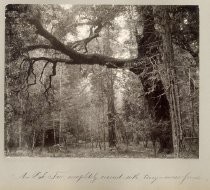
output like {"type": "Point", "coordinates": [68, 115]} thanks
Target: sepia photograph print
{"type": "Point", "coordinates": [101, 81]}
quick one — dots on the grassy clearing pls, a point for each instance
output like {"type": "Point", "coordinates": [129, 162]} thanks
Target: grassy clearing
{"type": "Point", "coordinates": [132, 151]}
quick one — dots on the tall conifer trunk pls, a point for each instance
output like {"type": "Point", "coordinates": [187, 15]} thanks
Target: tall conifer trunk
{"type": "Point", "coordinates": [111, 111]}
{"type": "Point", "coordinates": [168, 59]}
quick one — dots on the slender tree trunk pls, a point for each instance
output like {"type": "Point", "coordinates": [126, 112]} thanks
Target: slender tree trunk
{"type": "Point", "coordinates": [7, 138]}
{"type": "Point", "coordinates": [60, 97]}
{"type": "Point", "coordinates": [104, 130]}
{"type": "Point", "coordinates": [20, 134]}
{"type": "Point", "coordinates": [20, 122]}
{"type": "Point", "coordinates": [54, 132]}
{"type": "Point", "coordinates": [91, 137]}
{"type": "Point", "coordinates": [43, 139]}
{"type": "Point", "coordinates": [33, 140]}
{"type": "Point", "coordinates": [191, 105]}
{"type": "Point", "coordinates": [103, 121]}
{"type": "Point", "coordinates": [104, 134]}
{"type": "Point", "coordinates": [85, 138]}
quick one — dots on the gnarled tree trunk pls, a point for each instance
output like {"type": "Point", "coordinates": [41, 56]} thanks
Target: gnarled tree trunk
{"type": "Point", "coordinates": [148, 48]}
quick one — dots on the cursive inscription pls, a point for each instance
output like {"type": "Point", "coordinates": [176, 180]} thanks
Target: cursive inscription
{"type": "Point", "coordinates": [92, 177]}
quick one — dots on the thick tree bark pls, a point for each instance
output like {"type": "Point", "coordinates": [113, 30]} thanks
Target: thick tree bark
{"type": "Point", "coordinates": [148, 47]}
{"type": "Point", "coordinates": [116, 127]}
{"type": "Point", "coordinates": [168, 59]}
{"type": "Point", "coordinates": [111, 112]}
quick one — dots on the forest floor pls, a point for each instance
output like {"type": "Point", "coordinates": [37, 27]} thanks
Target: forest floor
{"type": "Point", "coordinates": [82, 151]}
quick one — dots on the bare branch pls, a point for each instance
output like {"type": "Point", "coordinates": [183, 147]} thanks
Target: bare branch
{"type": "Point", "coordinates": [30, 70]}
{"type": "Point", "coordinates": [82, 44]}
{"type": "Point", "coordinates": [31, 84]}
{"type": "Point", "coordinates": [50, 78]}
{"type": "Point", "coordinates": [40, 79]}
{"type": "Point", "coordinates": [54, 61]}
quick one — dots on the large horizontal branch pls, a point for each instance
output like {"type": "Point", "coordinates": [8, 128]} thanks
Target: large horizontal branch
{"type": "Point", "coordinates": [51, 60]}
{"type": "Point", "coordinates": [38, 46]}
{"type": "Point", "coordinates": [130, 63]}
{"type": "Point", "coordinates": [79, 58]}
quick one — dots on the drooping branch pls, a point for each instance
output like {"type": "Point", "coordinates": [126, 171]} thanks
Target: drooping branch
{"type": "Point", "coordinates": [31, 71]}
{"type": "Point", "coordinates": [54, 61]}
{"type": "Point", "coordinates": [40, 79]}
{"type": "Point", "coordinates": [50, 77]}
